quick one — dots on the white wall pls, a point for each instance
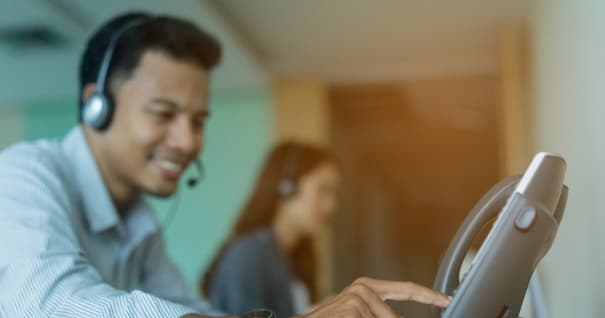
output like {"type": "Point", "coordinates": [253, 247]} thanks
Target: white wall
{"type": "Point", "coordinates": [569, 96]}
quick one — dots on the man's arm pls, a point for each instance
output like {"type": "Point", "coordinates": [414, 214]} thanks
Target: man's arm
{"type": "Point", "coordinates": [43, 270]}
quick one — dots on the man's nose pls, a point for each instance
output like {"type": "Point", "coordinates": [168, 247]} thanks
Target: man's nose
{"type": "Point", "coordinates": [185, 137]}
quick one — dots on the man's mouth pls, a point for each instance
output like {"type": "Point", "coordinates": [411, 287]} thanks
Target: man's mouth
{"type": "Point", "coordinates": [168, 168]}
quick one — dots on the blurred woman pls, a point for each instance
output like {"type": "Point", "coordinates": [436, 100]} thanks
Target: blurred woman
{"type": "Point", "coordinates": [268, 260]}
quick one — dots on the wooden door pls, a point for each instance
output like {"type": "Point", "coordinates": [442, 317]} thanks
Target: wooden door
{"type": "Point", "coordinates": [416, 156]}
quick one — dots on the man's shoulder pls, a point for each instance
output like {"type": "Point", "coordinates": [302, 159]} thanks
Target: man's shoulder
{"type": "Point", "coordinates": [39, 163]}
{"type": "Point", "coordinates": [32, 155]}
{"type": "Point", "coordinates": [31, 149]}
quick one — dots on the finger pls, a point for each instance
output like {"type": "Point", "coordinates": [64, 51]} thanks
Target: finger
{"type": "Point", "coordinates": [359, 305]}
{"type": "Point", "coordinates": [346, 304]}
{"type": "Point", "coordinates": [390, 290]}
{"type": "Point", "coordinates": [376, 305]}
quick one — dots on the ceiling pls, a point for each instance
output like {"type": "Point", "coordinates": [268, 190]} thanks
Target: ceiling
{"type": "Point", "coordinates": [337, 41]}
{"type": "Point", "coordinates": [361, 40]}
{"type": "Point", "coordinates": [37, 74]}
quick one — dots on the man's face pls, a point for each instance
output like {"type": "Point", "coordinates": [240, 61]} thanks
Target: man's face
{"type": "Point", "coordinates": [157, 127]}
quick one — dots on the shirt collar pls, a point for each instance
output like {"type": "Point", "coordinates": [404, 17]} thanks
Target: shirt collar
{"type": "Point", "coordinates": [100, 212]}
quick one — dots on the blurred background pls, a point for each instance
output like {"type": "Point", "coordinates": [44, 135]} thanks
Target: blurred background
{"type": "Point", "coordinates": [427, 103]}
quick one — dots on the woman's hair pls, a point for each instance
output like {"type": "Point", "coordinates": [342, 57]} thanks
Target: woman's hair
{"type": "Point", "coordinates": [281, 173]}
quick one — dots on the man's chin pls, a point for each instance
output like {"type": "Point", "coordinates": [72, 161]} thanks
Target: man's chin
{"type": "Point", "coordinates": [162, 192]}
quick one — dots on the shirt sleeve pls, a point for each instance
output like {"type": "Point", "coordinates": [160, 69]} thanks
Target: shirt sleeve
{"type": "Point", "coordinates": [44, 272]}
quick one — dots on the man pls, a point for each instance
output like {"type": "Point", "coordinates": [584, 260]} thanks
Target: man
{"type": "Point", "coordinates": [78, 239]}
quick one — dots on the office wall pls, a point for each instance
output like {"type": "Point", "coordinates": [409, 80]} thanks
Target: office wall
{"type": "Point", "coordinates": [569, 95]}
{"type": "Point", "coordinates": [237, 137]}
{"type": "Point", "coordinates": [11, 127]}
{"type": "Point", "coordinates": [514, 109]}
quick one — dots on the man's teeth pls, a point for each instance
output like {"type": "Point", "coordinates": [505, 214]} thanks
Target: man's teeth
{"type": "Point", "coordinates": [169, 165]}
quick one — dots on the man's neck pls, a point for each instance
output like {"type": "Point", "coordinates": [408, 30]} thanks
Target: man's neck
{"type": "Point", "coordinates": [122, 194]}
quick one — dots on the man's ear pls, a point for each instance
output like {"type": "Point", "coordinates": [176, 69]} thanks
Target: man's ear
{"type": "Point", "coordinates": [88, 90]}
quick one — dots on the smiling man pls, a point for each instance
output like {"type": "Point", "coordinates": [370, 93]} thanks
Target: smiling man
{"type": "Point", "coordinates": [158, 133]}
{"type": "Point", "coordinates": [78, 240]}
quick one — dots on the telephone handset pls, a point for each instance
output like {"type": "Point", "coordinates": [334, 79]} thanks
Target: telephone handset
{"type": "Point", "coordinates": [528, 210]}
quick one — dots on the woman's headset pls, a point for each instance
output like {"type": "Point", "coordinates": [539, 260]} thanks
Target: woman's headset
{"type": "Point", "coordinates": [287, 185]}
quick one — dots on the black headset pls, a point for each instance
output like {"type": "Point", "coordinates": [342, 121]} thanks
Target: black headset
{"type": "Point", "coordinates": [287, 185]}
{"type": "Point", "coordinates": [98, 109]}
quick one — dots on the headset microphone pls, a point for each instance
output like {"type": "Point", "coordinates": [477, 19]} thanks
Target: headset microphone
{"type": "Point", "coordinates": [193, 181]}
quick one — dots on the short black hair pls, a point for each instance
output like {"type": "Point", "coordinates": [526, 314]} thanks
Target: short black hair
{"type": "Point", "coordinates": [178, 38]}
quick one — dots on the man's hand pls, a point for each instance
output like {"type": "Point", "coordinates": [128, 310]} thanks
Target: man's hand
{"type": "Point", "coordinates": [365, 298]}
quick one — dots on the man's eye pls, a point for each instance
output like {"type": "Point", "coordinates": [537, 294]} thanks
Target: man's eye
{"type": "Point", "coordinates": [162, 113]}
{"type": "Point", "coordinates": [199, 123]}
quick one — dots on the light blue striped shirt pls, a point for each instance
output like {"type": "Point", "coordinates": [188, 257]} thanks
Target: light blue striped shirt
{"type": "Point", "coordinates": [64, 250]}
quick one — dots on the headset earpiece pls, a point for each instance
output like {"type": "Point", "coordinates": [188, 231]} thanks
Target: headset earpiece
{"type": "Point", "coordinates": [98, 109]}
{"type": "Point", "coordinates": [287, 186]}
